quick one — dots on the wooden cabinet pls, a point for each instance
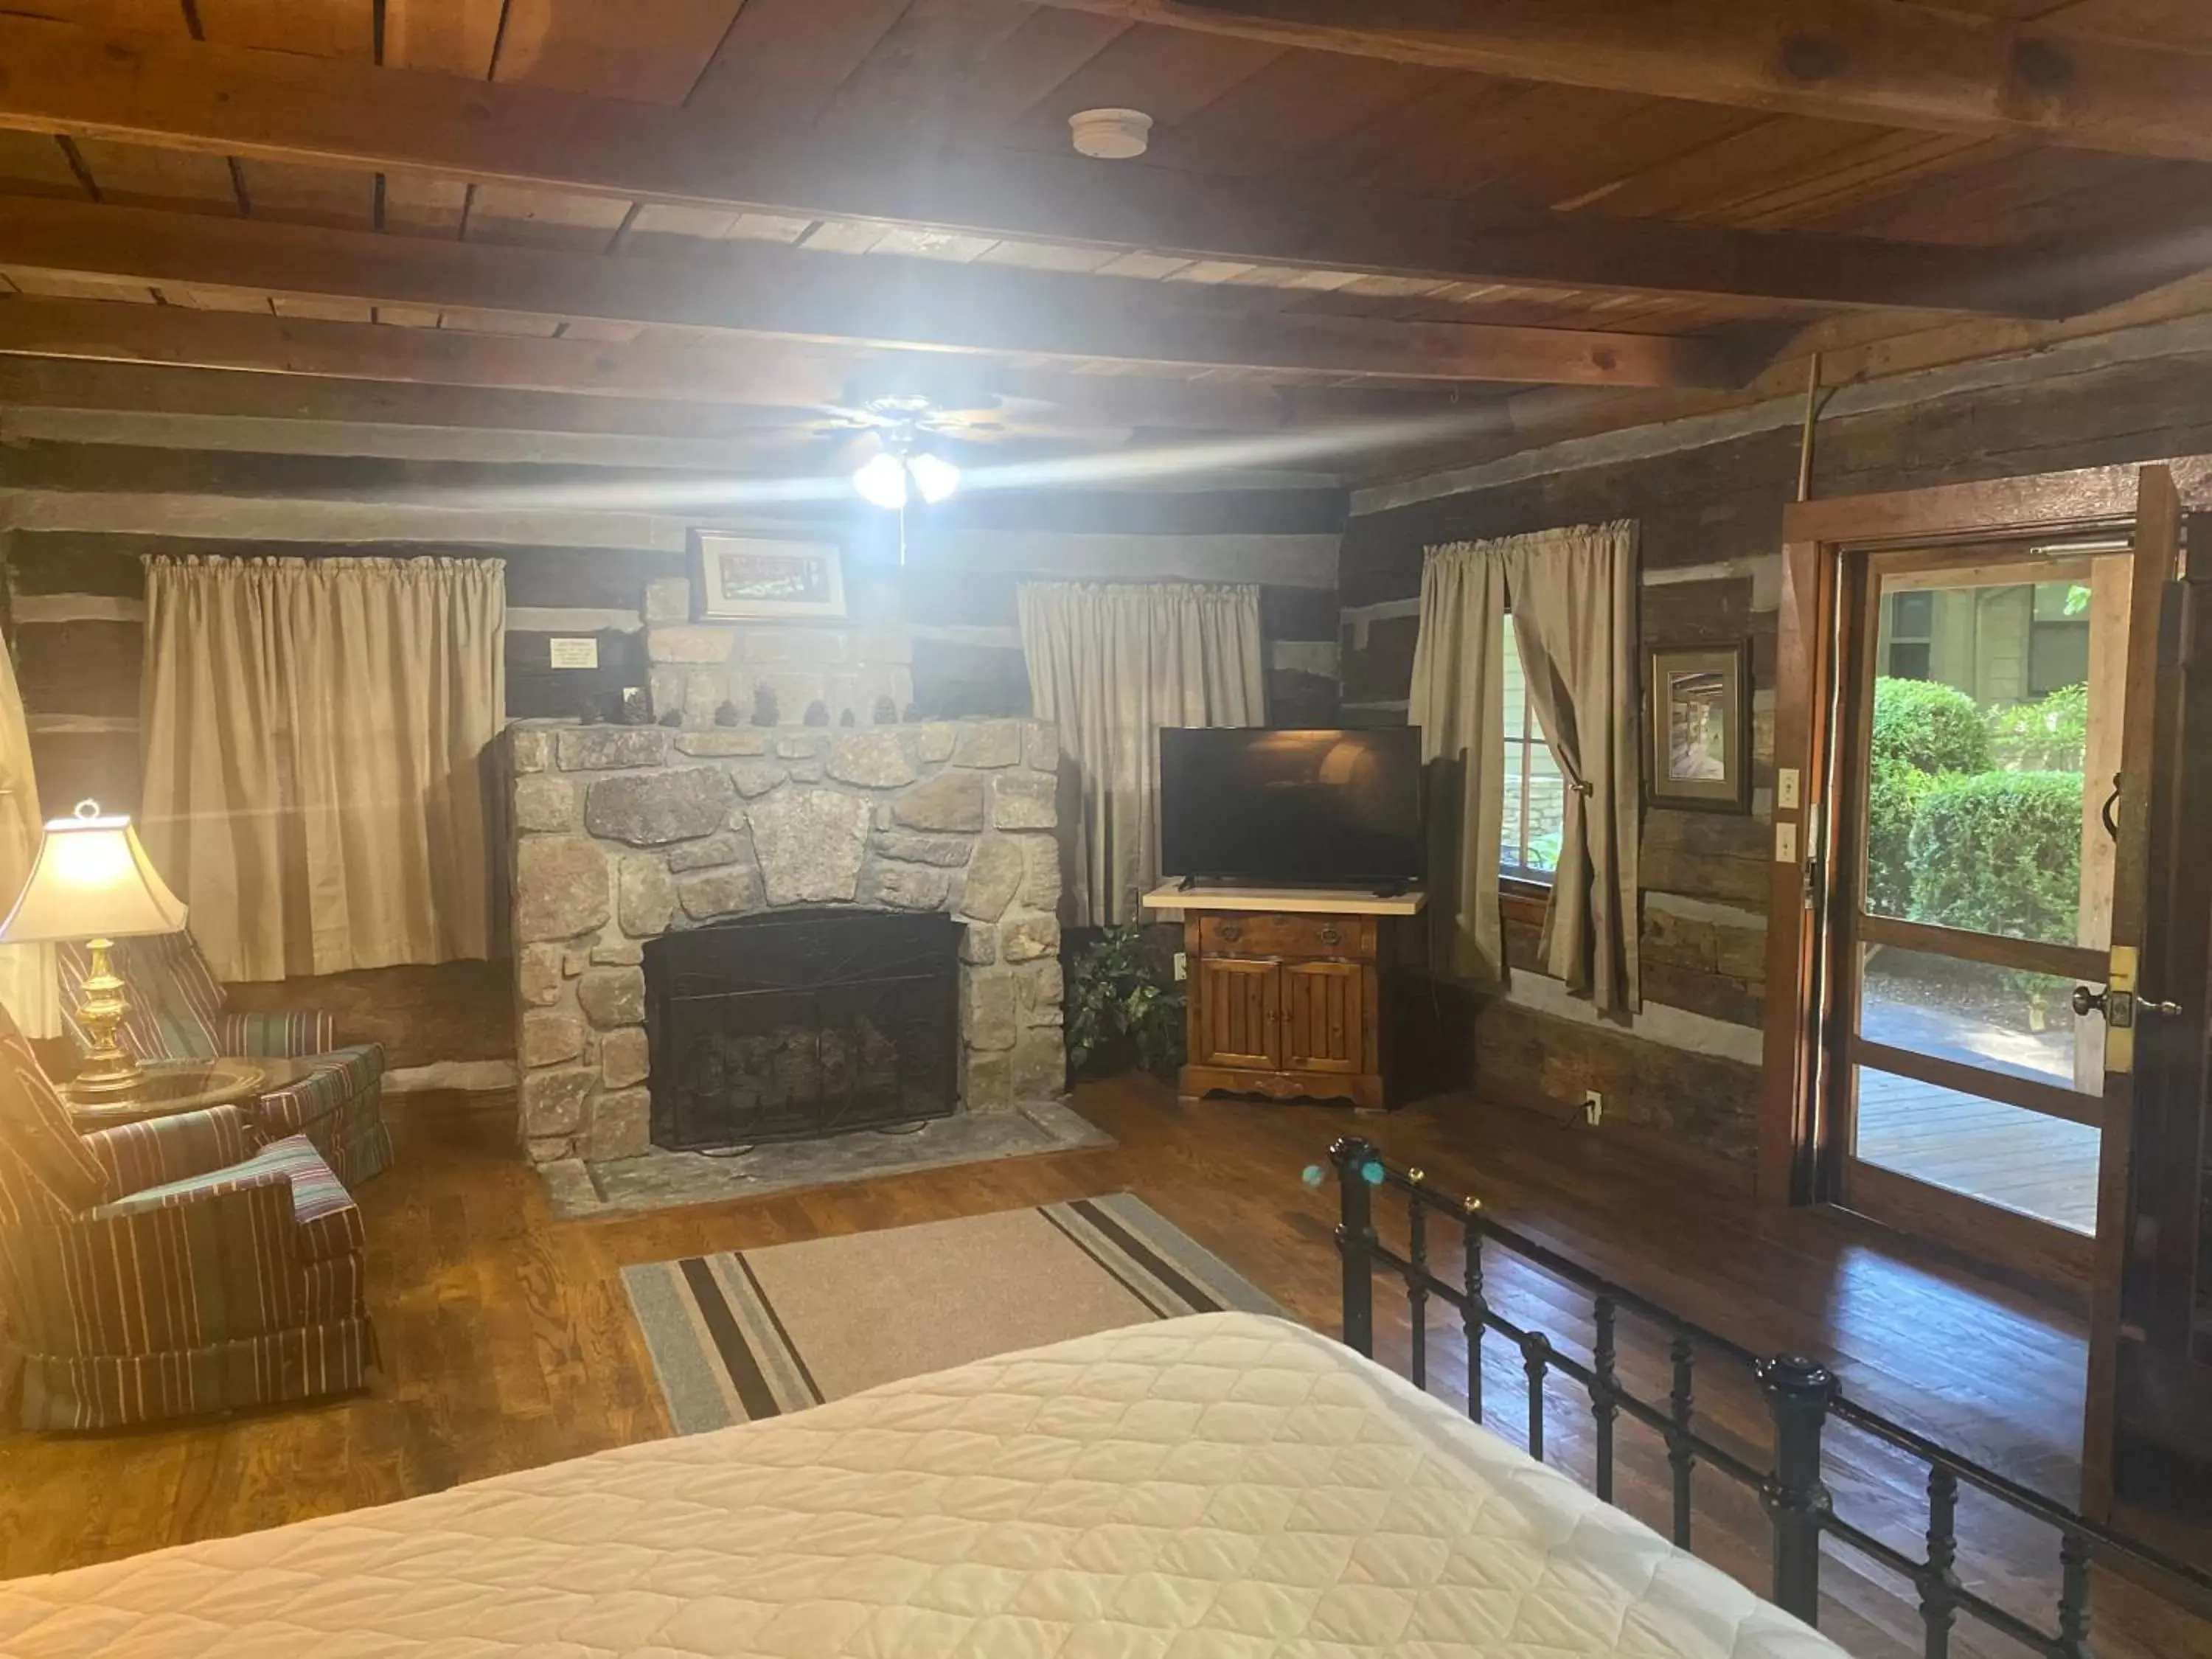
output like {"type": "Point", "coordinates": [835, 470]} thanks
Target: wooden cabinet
{"type": "Point", "coordinates": [1284, 1002]}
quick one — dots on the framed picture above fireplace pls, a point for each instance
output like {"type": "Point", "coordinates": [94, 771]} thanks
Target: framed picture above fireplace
{"type": "Point", "coordinates": [752, 578]}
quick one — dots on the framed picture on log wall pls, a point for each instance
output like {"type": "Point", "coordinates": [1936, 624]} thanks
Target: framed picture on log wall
{"type": "Point", "coordinates": [1699, 747]}
{"type": "Point", "coordinates": [752, 579]}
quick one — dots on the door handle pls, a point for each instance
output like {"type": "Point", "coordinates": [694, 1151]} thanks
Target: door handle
{"type": "Point", "coordinates": [2112, 822]}
{"type": "Point", "coordinates": [2119, 1008]}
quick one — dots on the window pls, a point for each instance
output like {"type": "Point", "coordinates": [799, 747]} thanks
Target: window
{"type": "Point", "coordinates": [1536, 793]}
{"type": "Point", "coordinates": [1911, 632]}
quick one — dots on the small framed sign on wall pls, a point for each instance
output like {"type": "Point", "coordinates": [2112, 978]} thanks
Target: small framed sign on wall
{"type": "Point", "coordinates": [736, 578]}
{"type": "Point", "coordinates": [1699, 745]}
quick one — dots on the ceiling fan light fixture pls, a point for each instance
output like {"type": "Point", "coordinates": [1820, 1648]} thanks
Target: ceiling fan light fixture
{"type": "Point", "coordinates": [1111, 135]}
{"type": "Point", "coordinates": [881, 481]}
{"type": "Point", "coordinates": [934, 478]}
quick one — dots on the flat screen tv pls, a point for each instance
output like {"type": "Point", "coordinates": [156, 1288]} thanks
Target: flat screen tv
{"type": "Point", "coordinates": [1304, 808]}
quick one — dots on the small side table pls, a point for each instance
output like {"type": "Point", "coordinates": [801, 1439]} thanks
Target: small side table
{"type": "Point", "coordinates": [172, 1086]}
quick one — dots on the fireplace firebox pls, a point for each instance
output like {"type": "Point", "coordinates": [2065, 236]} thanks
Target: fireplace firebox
{"type": "Point", "coordinates": [801, 1024]}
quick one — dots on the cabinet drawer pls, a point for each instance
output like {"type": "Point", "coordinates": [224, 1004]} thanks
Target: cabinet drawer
{"type": "Point", "coordinates": [1260, 933]}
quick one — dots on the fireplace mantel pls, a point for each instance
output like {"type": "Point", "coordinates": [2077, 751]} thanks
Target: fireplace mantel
{"type": "Point", "coordinates": [621, 834]}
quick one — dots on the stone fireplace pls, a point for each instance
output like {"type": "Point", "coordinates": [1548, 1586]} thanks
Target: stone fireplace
{"type": "Point", "coordinates": [624, 834]}
{"type": "Point", "coordinates": [793, 1025]}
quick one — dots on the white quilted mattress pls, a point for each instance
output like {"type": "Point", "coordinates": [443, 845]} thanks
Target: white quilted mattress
{"type": "Point", "coordinates": [1219, 1487]}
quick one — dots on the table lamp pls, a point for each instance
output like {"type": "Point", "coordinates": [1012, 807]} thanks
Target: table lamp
{"type": "Point", "coordinates": [93, 881]}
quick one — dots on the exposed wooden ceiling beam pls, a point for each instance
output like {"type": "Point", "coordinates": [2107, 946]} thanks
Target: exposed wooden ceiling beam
{"type": "Point", "coordinates": [56, 77]}
{"type": "Point", "coordinates": [783, 293]}
{"type": "Point", "coordinates": [1882, 61]}
{"type": "Point", "coordinates": [133, 388]}
{"type": "Point", "coordinates": [683, 370]}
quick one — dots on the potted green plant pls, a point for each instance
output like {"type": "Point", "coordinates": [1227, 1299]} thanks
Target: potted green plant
{"type": "Point", "coordinates": [1124, 1007]}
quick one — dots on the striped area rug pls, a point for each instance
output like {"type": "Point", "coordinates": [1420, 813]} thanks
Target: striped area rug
{"type": "Point", "coordinates": [747, 1334]}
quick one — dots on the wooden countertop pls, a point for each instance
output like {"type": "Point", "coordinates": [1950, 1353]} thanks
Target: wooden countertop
{"type": "Point", "coordinates": [1307, 900]}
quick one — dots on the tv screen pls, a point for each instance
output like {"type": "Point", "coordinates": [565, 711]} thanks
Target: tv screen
{"type": "Point", "coordinates": [1317, 808]}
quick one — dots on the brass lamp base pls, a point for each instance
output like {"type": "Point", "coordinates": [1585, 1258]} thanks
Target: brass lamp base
{"type": "Point", "coordinates": [109, 1074]}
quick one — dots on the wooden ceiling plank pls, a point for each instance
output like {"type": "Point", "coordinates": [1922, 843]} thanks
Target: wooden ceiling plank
{"type": "Point", "coordinates": [1888, 62]}
{"type": "Point", "coordinates": [309, 195]}
{"type": "Point", "coordinates": [909, 88]}
{"type": "Point", "coordinates": [1297, 106]}
{"type": "Point", "coordinates": [650, 49]}
{"type": "Point", "coordinates": [680, 371]}
{"type": "Point", "coordinates": [782, 60]}
{"type": "Point", "coordinates": [144, 172]}
{"type": "Point", "coordinates": [453, 37]}
{"type": "Point", "coordinates": [34, 164]}
{"type": "Point", "coordinates": [323, 28]}
{"type": "Point", "coordinates": [765, 289]}
{"type": "Point", "coordinates": [1030, 66]}
{"type": "Point", "coordinates": [1146, 69]}
{"type": "Point", "coordinates": [143, 391]}
{"type": "Point", "coordinates": [229, 101]}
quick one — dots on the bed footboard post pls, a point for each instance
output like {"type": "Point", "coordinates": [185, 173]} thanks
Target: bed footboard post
{"type": "Point", "coordinates": [1355, 1238]}
{"type": "Point", "coordinates": [1798, 1392]}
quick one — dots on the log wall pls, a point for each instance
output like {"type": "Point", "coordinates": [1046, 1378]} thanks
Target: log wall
{"type": "Point", "coordinates": [579, 542]}
{"type": "Point", "coordinates": [1684, 1077]}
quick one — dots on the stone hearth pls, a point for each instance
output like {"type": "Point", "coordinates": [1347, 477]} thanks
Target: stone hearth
{"type": "Point", "coordinates": [625, 833]}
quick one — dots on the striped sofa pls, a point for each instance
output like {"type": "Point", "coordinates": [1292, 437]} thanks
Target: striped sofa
{"type": "Point", "coordinates": [168, 1268]}
{"type": "Point", "coordinates": [177, 1013]}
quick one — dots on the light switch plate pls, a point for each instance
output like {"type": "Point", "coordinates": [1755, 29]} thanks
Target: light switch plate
{"type": "Point", "coordinates": [1785, 843]}
{"type": "Point", "coordinates": [1182, 967]}
{"type": "Point", "coordinates": [1785, 788]}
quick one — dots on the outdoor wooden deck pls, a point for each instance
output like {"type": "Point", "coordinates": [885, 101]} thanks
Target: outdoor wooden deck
{"type": "Point", "coordinates": [2038, 1166]}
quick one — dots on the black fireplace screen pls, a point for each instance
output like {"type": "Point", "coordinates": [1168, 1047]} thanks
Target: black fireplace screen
{"type": "Point", "coordinates": [801, 1023]}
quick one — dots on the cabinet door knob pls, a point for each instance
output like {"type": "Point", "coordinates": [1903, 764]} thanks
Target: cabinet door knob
{"type": "Point", "coordinates": [1331, 934]}
{"type": "Point", "coordinates": [1231, 932]}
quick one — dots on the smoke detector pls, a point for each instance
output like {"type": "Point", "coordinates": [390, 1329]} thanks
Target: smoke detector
{"type": "Point", "coordinates": [1111, 135]}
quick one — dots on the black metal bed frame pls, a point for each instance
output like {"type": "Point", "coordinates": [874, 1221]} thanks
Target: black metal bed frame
{"type": "Point", "coordinates": [1800, 1395]}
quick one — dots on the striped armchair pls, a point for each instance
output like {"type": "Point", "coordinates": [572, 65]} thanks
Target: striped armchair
{"type": "Point", "coordinates": [164, 1269]}
{"type": "Point", "coordinates": [177, 1013]}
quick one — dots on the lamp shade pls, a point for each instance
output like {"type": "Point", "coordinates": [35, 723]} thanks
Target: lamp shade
{"type": "Point", "coordinates": [92, 880]}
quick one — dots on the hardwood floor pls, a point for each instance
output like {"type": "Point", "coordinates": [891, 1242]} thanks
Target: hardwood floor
{"type": "Point", "coordinates": [508, 1342]}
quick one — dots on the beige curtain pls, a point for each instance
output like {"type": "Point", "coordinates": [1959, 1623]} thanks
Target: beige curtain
{"type": "Point", "coordinates": [315, 734]}
{"type": "Point", "coordinates": [28, 987]}
{"type": "Point", "coordinates": [1458, 702]}
{"type": "Point", "coordinates": [1573, 594]}
{"type": "Point", "coordinates": [1111, 665]}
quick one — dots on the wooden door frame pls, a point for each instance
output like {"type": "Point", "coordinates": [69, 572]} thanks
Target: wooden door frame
{"type": "Point", "coordinates": [1817, 536]}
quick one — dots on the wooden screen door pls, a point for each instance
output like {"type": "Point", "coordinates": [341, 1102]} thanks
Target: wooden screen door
{"type": "Point", "coordinates": [1985, 956]}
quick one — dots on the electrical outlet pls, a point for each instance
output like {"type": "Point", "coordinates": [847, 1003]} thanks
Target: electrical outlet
{"type": "Point", "coordinates": [1182, 967]}
{"type": "Point", "coordinates": [1785, 843]}
{"type": "Point", "coordinates": [1593, 1108]}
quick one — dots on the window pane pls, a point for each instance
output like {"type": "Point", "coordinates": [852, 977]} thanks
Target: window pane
{"type": "Point", "coordinates": [1547, 806]}
{"type": "Point", "coordinates": [1529, 844]}
{"type": "Point", "coordinates": [1509, 851]}
{"type": "Point", "coordinates": [2001, 1019]}
{"type": "Point", "coordinates": [1909, 662]}
{"type": "Point", "coordinates": [1981, 808]}
{"type": "Point", "coordinates": [2022, 1161]}
{"type": "Point", "coordinates": [1515, 685]}
{"type": "Point", "coordinates": [1911, 615]}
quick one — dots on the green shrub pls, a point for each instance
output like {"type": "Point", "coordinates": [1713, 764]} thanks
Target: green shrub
{"type": "Point", "coordinates": [1999, 853]}
{"type": "Point", "coordinates": [1893, 795]}
{"type": "Point", "coordinates": [1123, 1007]}
{"type": "Point", "coordinates": [1929, 726]}
{"type": "Point", "coordinates": [2048, 735]}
